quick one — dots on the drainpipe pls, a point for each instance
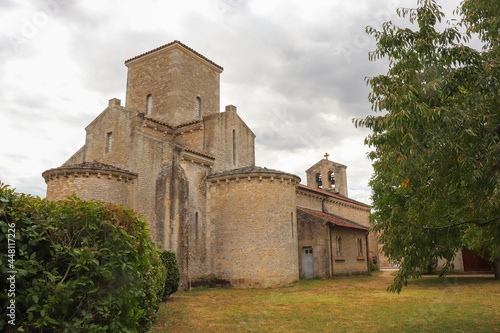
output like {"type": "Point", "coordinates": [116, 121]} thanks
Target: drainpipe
{"type": "Point", "coordinates": [368, 255]}
{"type": "Point", "coordinates": [331, 250]}
{"type": "Point", "coordinates": [329, 236]}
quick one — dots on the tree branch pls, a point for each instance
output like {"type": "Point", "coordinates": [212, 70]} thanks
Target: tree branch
{"type": "Point", "coordinates": [481, 224]}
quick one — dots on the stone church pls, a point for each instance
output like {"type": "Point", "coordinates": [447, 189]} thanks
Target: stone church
{"type": "Point", "coordinates": [189, 169]}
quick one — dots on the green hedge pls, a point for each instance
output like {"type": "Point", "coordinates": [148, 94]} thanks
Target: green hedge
{"type": "Point", "coordinates": [172, 283]}
{"type": "Point", "coordinates": [82, 266]}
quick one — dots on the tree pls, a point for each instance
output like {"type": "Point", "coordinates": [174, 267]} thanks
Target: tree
{"type": "Point", "coordinates": [436, 139]}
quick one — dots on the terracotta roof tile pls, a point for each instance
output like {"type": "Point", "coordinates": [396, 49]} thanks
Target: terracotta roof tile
{"type": "Point", "coordinates": [251, 169]}
{"type": "Point", "coordinates": [188, 123]}
{"type": "Point", "coordinates": [171, 126]}
{"type": "Point", "coordinates": [92, 165]}
{"type": "Point", "coordinates": [318, 190]}
{"type": "Point", "coordinates": [170, 44]}
{"type": "Point", "coordinates": [336, 220]}
{"type": "Point", "coordinates": [160, 123]}
{"type": "Point", "coordinates": [198, 153]}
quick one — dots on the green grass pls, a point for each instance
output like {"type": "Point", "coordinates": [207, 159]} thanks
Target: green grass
{"type": "Point", "coordinates": [355, 304]}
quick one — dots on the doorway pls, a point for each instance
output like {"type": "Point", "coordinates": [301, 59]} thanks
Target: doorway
{"type": "Point", "coordinates": [308, 262]}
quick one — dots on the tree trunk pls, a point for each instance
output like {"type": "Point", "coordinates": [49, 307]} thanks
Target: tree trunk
{"type": "Point", "coordinates": [496, 268]}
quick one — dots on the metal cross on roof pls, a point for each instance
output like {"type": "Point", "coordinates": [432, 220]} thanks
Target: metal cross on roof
{"type": "Point", "coordinates": [326, 155]}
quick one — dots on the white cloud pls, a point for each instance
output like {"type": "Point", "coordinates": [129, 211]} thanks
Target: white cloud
{"type": "Point", "coordinates": [294, 69]}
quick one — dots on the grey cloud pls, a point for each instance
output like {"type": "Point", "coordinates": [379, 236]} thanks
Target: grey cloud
{"type": "Point", "coordinates": [287, 74]}
{"type": "Point", "coordinates": [32, 184]}
{"type": "Point", "coordinates": [7, 4]}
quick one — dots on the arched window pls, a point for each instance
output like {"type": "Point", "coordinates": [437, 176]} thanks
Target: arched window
{"type": "Point", "coordinates": [338, 244]}
{"type": "Point", "coordinates": [331, 176]}
{"type": "Point", "coordinates": [234, 147]}
{"type": "Point", "coordinates": [291, 222]}
{"type": "Point", "coordinates": [196, 225]}
{"type": "Point", "coordinates": [360, 247]}
{"type": "Point", "coordinates": [149, 104]}
{"type": "Point", "coordinates": [198, 107]}
{"type": "Point", "coordinates": [109, 142]}
{"type": "Point", "coordinates": [319, 181]}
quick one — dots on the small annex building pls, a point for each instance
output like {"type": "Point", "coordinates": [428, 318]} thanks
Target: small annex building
{"type": "Point", "coordinates": [171, 155]}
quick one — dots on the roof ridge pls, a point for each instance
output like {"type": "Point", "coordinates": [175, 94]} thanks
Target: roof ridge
{"type": "Point", "coordinates": [197, 153]}
{"type": "Point", "coordinates": [94, 164]}
{"type": "Point", "coordinates": [160, 122]}
{"type": "Point", "coordinates": [170, 44]}
{"type": "Point", "coordinates": [172, 126]}
{"type": "Point", "coordinates": [251, 168]}
{"type": "Point", "coordinates": [331, 217]}
{"type": "Point", "coordinates": [334, 195]}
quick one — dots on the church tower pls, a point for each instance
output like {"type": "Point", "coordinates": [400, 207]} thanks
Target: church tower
{"type": "Point", "coordinates": [329, 176]}
{"type": "Point", "coordinates": [173, 84]}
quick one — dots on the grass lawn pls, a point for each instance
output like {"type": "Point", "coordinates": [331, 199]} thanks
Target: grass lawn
{"type": "Point", "coordinates": [354, 304]}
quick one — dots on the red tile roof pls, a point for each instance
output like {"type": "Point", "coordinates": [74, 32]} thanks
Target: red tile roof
{"type": "Point", "coordinates": [318, 190]}
{"type": "Point", "coordinates": [336, 220]}
{"type": "Point", "coordinates": [171, 126]}
{"type": "Point", "coordinates": [94, 165]}
{"type": "Point", "coordinates": [160, 123]}
{"type": "Point", "coordinates": [188, 123]}
{"type": "Point", "coordinates": [170, 44]}
{"type": "Point", "coordinates": [198, 153]}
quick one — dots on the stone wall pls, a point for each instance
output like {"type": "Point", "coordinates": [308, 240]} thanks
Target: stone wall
{"type": "Point", "coordinates": [191, 138]}
{"type": "Point", "coordinates": [342, 207]}
{"type": "Point", "coordinates": [229, 140]}
{"type": "Point", "coordinates": [175, 76]}
{"type": "Point", "coordinates": [458, 263]}
{"type": "Point", "coordinates": [350, 262]}
{"type": "Point", "coordinates": [253, 224]}
{"type": "Point", "coordinates": [77, 157]}
{"type": "Point", "coordinates": [152, 152]}
{"type": "Point", "coordinates": [314, 232]}
{"type": "Point", "coordinates": [110, 136]}
{"type": "Point", "coordinates": [91, 183]}
{"type": "Point", "coordinates": [197, 168]}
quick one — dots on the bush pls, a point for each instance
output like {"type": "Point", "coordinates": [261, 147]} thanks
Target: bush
{"type": "Point", "coordinates": [172, 283]}
{"type": "Point", "coordinates": [82, 266]}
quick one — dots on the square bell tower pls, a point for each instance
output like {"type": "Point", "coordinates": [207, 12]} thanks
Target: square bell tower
{"type": "Point", "coordinates": [329, 176]}
{"type": "Point", "coordinates": [173, 84]}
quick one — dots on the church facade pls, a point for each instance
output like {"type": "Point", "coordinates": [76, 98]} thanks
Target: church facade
{"type": "Point", "coordinates": [189, 169]}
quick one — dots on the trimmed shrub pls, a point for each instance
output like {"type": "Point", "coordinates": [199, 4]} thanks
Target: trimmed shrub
{"type": "Point", "coordinates": [172, 283]}
{"type": "Point", "coordinates": [82, 266]}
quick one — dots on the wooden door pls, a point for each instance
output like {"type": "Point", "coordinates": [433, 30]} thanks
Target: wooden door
{"type": "Point", "coordinates": [474, 263]}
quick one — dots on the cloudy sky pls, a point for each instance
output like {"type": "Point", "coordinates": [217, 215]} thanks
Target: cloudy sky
{"type": "Point", "coordinates": [295, 69]}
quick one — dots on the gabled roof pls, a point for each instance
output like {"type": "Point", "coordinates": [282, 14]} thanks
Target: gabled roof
{"type": "Point", "coordinates": [321, 162]}
{"type": "Point", "coordinates": [173, 44]}
{"type": "Point", "coordinates": [198, 153]}
{"type": "Point", "coordinates": [334, 219]}
{"type": "Point", "coordinates": [172, 127]}
{"type": "Point", "coordinates": [336, 196]}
